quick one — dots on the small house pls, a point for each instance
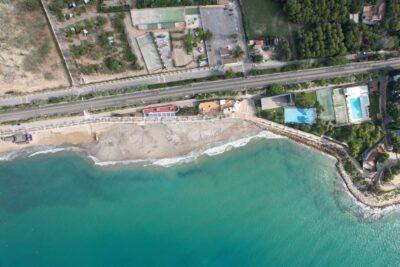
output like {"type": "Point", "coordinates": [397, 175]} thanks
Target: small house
{"type": "Point", "coordinates": [373, 14]}
{"type": "Point", "coordinates": [225, 52]}
{"type": "Point", "coordinates": [157, 112]}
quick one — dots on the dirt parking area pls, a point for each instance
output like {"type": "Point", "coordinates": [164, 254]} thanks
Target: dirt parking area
{"type": "Point", "coordinates": [29, 60]}
{"type": "Point", "coordinates": [224, 23]}
{"type": "Point", "coordinates": [180, 55]}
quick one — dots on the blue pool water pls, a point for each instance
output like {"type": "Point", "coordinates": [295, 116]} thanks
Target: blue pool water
{"type": "Point", "coordinates": [300, 115]}
{"type": "Point", "coordinates": [356, 112]}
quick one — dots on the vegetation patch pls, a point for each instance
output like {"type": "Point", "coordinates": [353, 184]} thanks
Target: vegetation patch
{"type": "Point", "coordinates": [306, 99]}
{"type": "Point", "coordinates": [264, 18]}
{"type": "Point", "coordinates": [374, 107]}
{"type": "Point", "coordinates": [326, 28]}
{"type": "Point", "coordinates": [276, 115]}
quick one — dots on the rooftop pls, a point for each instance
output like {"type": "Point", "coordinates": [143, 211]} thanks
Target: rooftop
{"type": "Point", "coordinates": [161, 109]}
{"type": "Point", "coordinates": [374, 13]}
{"type": "Point", "coordinates": [276, 101]}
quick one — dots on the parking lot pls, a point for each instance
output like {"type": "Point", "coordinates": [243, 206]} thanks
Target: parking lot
{"type": "Point", "coordinates": [223, 23]}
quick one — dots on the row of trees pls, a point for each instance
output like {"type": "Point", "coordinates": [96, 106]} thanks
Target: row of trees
{"type": "Point", "coordinates": [328, 31]}
{"type": "Point", "coordinates": [394, 103]}
{"type": "Point", "coordinates": [325, 40]}
{"type": "Point", "coordinates": [316, 11]}
{"type": "Point", "coordinates": [322, 33]}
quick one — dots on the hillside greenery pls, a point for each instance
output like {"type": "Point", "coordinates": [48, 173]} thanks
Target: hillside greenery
{"type": "Point", "coordinates": [327, 31]}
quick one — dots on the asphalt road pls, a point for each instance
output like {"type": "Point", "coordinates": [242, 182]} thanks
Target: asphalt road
{"type": "Point", "coordinates": [236, 84]}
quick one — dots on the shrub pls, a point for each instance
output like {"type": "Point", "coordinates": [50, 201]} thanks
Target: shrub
{"type": "Point", "coordinates": [238, 52]}
{"type": "Point", "coordinates": [275, 89]}
{"type": "Point", "coordinates": [382, 158]}
{"type": "Point", "coordinates": [115, 65]}
{"type": "Point", "coordinates": [31, 5]}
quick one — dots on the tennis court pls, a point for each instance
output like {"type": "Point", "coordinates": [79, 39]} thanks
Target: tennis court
{"type": "Point", "coordinates": [324, 98]}
{"type": "Point", "coordinates": [300, 115]}
{"type": "Point", "coordinates": [339, 104]}
{"type": "Point", "coordinates": [149, 52]}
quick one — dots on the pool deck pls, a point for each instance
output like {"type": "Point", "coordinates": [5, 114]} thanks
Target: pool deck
{"type": "Point", "coordinates": [357, 100]}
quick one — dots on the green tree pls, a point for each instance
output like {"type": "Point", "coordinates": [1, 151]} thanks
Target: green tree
{"type": "Point", "coordinates": [394, 111]}
{"type": "Point", "coordinates": [101, 21]}
{"type": "Point", "coordinates": [188, 41]}
{"type": "Point", "coordinates": [275, 89]}
{"type": "Point", "coordinates": [355, 6]}
{"type": "Point", "coordinates": [305, 100]}
{"type": "Point", "coordinates": [257, 58]}
{"type": "Point", "coordinates": [230, 74]}
{"type": "Point", "coordinates": [238, 52]}
{"type": "Point", "coordinates": [207, 35]}
{"type": "Point", "coordinates": [115, 65]}
{"type": "Point", "coordinates": [31, 5]}
{"type": "Point", "coordinates": [56, 6]}
{"type": "Point", "coordinates": [382, 158]}
{"type": "Point", "coordinates": [395, 142]}
{"type": "Point", "coordinates": [283, 50]}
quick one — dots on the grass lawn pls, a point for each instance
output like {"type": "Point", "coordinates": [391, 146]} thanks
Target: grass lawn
{"type": "Point", "coordinates": [276, 115]}
{"type": "Point", "coordinates": [305, 99]}
{"type": "Point", "coordinates": [264, 17]}
{"type": "Point", "coordinates": [373, 106]}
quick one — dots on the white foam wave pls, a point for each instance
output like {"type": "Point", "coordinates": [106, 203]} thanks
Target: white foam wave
{"type": "Point", "coordinates": [52, 150]}
{"type": "Point", "coordinates": [98, 162]}
{"type": "Point", "coordinates": [8, 156]}
{"type": "Point", "coordinates": [166, 162]}
{"type": "Point", "coordinates": [216, 150]}
{"type": "Point", "coordinates": [238, 143]}
{"type": "Point", "coordinates": [213, 151]}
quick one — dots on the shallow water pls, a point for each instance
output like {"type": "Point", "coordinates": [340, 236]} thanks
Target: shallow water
{"type": "Point", "coordinates": [272, 203]}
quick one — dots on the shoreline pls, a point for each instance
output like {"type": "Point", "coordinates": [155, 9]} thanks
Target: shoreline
{"type": "Point", "coordinates": [157, 142]}
{"type": "Point", "coordinates": [170, 142]}
{"type": "Point", "coordinates": [366, 201]}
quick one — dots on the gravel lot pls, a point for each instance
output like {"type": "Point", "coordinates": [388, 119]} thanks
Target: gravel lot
{"type": "Point", "coordinates": [222, 22]}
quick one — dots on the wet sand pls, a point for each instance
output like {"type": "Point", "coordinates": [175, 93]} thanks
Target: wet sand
{"type": "Point", "coordinates": [133, 141]}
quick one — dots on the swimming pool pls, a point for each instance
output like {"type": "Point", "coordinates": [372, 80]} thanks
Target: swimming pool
{"type": "Point", "coordinates": [300, 115]}
{"type": "Point", "coordinates": [358, 108]}
{"type": "Point", "coordinates": [355, 109]}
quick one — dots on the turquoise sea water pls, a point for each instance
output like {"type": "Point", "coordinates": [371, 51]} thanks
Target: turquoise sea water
{"type": "Point", "coordinates": [271, 203]}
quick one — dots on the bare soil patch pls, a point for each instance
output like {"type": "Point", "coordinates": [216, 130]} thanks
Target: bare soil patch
{"type": "Point", "coordinates": [28, 57]}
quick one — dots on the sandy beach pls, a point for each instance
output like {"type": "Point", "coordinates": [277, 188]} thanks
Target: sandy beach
{"type": "Point", "coordinates": [136, 141]}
